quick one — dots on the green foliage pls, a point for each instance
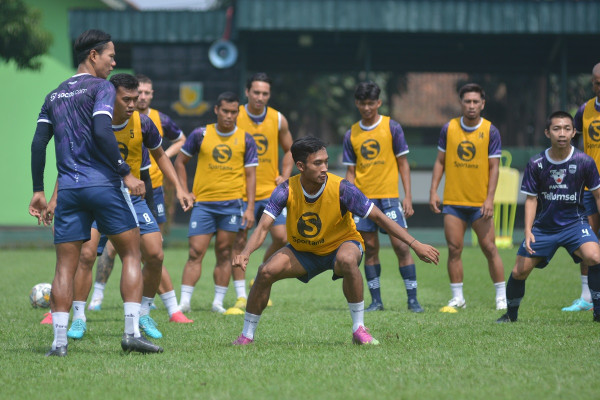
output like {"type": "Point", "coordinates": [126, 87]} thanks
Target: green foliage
{"type": "Point", "coordinates": [22, 40]}
{"type": "Point", "coordinates": [303, 344]}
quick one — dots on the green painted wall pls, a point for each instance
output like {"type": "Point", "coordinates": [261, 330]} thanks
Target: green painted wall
{"type": "Point", "coordinates": [22, 97]}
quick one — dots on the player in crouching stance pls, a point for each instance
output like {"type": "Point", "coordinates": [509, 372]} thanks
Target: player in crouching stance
{"type": "Point", "coordinates": [554, 182]}
{"type": "Point", "coordinates": [322, 236]}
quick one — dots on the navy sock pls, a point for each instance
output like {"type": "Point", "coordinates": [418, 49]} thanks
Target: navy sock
{"type": "Point", "coordinates": [372, 273]}
{"type": "Point", "coordinates": [594, 285]}
{"type": "Point", "coordinates": [515, 290]}
{"type": "Point", "coordinates": [409, 275]}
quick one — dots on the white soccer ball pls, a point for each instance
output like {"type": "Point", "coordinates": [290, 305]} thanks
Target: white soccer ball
{"type": "Point", "coordinates": [39, 296]}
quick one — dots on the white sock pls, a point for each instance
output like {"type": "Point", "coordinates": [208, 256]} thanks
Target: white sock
{"type": "Point", "coordinates": [240, 288]}
{"type": "Point", "coordinates": [357, 312]}
{"type": "Point", "coordinates": [145, 306]}
{"type": "Point", "coordinates": [186, 294]}
{"type": "Point", "coordinates": [585, 289]}
{"type": "Point", "coordinates": [98, 291]}
{"type": "Point", "coordinates": [457, 290]}
{"type": "Point", "coordinates": [250, 324]}
{"type": "Point", "coordinates": [132, 318]}
{"type": "Point", "coordinates": [169, 299]}
{"type": "Point", "coordinates": [220, 292]}
{"type": "Point", "coordinates": [79, 310]}
{"type": "Point", "coordinates": [500, 290]}
{"type": "Point", "coordinates": [60, 321]}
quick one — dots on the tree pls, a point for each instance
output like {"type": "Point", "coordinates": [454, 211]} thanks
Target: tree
{"type": "Point", "coordinates": [22, 39]}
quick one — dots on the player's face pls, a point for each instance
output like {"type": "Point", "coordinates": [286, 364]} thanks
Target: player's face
{"type": "Point", "coordinates": [146, 94]}
{"type": "Point", "coordinates": [560, 132]}
{"type": "Point", "coordinates": [258, 96]}
{"type": "Point", "coordinates": [104, 62]}
{"type": "Point", "coordinates": [596, 84]}
{"type": "Point", "coordinates": [368, 109]}
{"type": "Point", "coordinates": [227, 115]}
{"type": "Point", "coordinates": [124, 103]}
{"type": "Point", "coordinates": [472, 104]}
{"type": "Point", "coordinates": [316, 167]}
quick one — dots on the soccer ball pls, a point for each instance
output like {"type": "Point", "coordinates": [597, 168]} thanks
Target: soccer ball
{"type": "Point", "coordinates": [39, 296]}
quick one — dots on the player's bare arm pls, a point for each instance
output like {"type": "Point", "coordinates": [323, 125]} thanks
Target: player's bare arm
{"type": "Point", "coordinates": [425, 252]}
{"type": "Point", "coordinates": [436, 178]}
{"type": "Point", "coordinates": [180, 162]}
{"type": "Point", "coordinates": [175, 146]}
{"type": "Point", "coordinates": [487, 210]}
{"type": "Point", "coordinates": [186, 199]}
{"type": "Point", "coordinates": [248, 216]}
{"type": "Point", "coordinates": [404, 170]}
{"type": "Point", "coordinates": [285, 141]}
{"type": "Point", "coordinates": [351, 174]}
{"type": "Point", "coordinates": [530, 210]}
{"type": "Point", "coordinates": [256, 240]}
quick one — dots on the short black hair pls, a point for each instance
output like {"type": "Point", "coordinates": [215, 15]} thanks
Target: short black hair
{"type": "Point", "coordinates": [471, 87]}
{"type": "Point", "coordinates": [258, 77]}
{"type": "Point", "coordinates": [92, 39]}
{"type": "Point", "coordinates": [305, 146]}
{"type": "Point", "coordinates": [126, 81]}
{"type": "Point", "coordinates": [143, 78]}
{"type": "Point", "coordinates": [558, 114]}
{"type": "Point", "coordinates": [227, 97]}
{"type": "Point", "coordinates": [367, 91]}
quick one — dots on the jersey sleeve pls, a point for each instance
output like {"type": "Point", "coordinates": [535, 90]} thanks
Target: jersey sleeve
{"type": "Point", "coordinates": [278, 200]}
{"type": "Point", "coordinates": [399, 144]}
{"type": "Point", "coordinates": [354, 200]}
{"type": "Point", "coordinates": [349, 156]}
{"type": "Point", "coordinates": [193, 142]}
{"type": "Point", "coordinates": [495, 144]}
{"type": "Point", "coordinates": [443, 138]}
{"type": "Point", "coordinates": [150, 135]}
{"type": "Point", "coordinates": [592, 178]}
{"type": "Point", "coordinates": [578, 119]}
{"type": "Point", "coordinates": [529, 185]}
{"type": "Point", "coordinates": [44, 115]}
{"type": "Point", "coordinates": [105, 99]}
{"type": "Point", "coordinates": [146, 163]}
{"type": "Point", "coordinates": [170, 129]}
{"type": "Point", "coordinates": [251, 154]}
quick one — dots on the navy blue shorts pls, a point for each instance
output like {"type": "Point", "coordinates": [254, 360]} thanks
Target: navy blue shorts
{"type": "Point", "coordinates": [259, 208]}
{"type": "Point", "coordinates": [467, 214]}
{"type": "Point", "coordinates": [159, 202]}
{"type": "Point", "coordinates": [589, 203]}
{"type": "Point", "coordinates": [390, 207]}
{"type": "Point", "coordinates": [210, 216]}
{"type": "Point", "coordinates": [546, 244]}
{"type": "Point", "coordinates": [76, 209]}
{"type": "Point", "coordinates": [314, 264]}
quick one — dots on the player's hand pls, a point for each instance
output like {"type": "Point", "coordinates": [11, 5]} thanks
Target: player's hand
{"type": "Point", "coordinates": [135, 186]}
{"type": "Point", "coordinates": [49, 213]}
{"type": "Point", "coordinates": [186, 200]}
{"type": "Point", "coordinates": [529, 238]}
{"type": "Point", "coordinates": [37, 206]}
{"type": "Point", "coordinates": [435, 203]}
{"type": "Point", "coordinates": [279, 180]}
{"type": "Point", "coordinates": [425, 252]}
{"type": "Point", "coordinates": [248, 219]}
{"type": "Point", "coordinates": [407, 207]}
{"type": "Point", "coordinates": [487, 210]}
{"type": "Point", "coordinates": [240, 261]}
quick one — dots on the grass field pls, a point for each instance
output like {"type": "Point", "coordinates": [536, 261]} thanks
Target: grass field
{"type": "Point", "coordinates": [303, 344]}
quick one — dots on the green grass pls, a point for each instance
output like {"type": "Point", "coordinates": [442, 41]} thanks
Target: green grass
{"type": "Point", "coordinates": [303, 344]}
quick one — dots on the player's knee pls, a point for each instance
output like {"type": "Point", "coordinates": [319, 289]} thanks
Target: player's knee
{"type": "Point", "coordinates": [264, 275]}
{"type": "Point", "coordinates": [346, 263]}
{"type": "Point", "coordinates": [196, 254]}
{"type": "Point", "coordinates": [154, 256]}
{"type": "Point", "coordinates": [87, 258]}
{"type": "Point", "coordinates": [455, 250]}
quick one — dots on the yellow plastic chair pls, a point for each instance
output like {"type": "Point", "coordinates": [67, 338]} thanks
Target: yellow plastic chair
{"type": "Point", "coordinates": [505, 203]}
